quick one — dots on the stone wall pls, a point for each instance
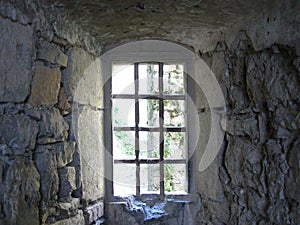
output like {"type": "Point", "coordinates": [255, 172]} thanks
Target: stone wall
{"type": "Point", "coordinates": [51, 117]}
{"type": "Point", "coordinates": [254, 180]}
{"type": "Point", "coordinates": [43, 58]}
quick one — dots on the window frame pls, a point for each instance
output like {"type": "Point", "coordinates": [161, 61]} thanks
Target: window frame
{"type": "Point", "coordinates": [143, 52]}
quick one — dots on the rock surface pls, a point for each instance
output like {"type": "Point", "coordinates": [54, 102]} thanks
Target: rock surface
{"type": "Point", "coordinates": [45, 86]}
{"type": "Point", "coordinates": [16, 61]}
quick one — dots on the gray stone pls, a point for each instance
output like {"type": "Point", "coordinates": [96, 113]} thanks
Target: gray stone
{"type": "Point", "coordinates": [52, 54]}
{"type": "Point", "coordinates": [268, 81]}
{"type": "Point", "coordinates": [67, 182]}
{"type": "Point", "coordinates": [53, 127]}
{"type": "Point", "coordinates": [18, 132]}
{"type": "Point", "coordinates": [91, 150]}
{"type": "Point", "coordinates": [79, 60]}
{"type": "Point", "coordinates": [63, 102]}
{"type": "Point", "coordinates": [16, 60]}
{"type": "Point", "coordinates": [243, 162]}
{"type": "Point", "coordinates": [64, 153]}
{"type": "Point", "coordinates": [292, 190]}
{"type": "Point", "coordinates": [21, 196]}
{"type": "Point", "coordinates": [78, 219]}
{"type": "Point", "coordinates": [94, 212]}
{"type": "Point", "coordinates": [45, 86]}
{"type": "Point", "coordinates": [244, 126]}
{"type": "Point", "coordinates": [46, 164]}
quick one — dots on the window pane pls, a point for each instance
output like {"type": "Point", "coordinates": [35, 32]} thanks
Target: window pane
{"type": "Point", "coordinates": [148, 79]}
{"type": "Point", "coordinates": [150, 178]}
{"type": "Point", "coordinates": [123, 112]}
{"type": "Point", "coordinates": [149, 113]}
{"type": "Point", "coordinates": [174, 111]}
{"type": "Point", "coordinates": [149, 144]}
{"type": "Point", "coordinates": [123, 144]}
{"type": "Point", "coordinates": [174, 145]}
{"type": "Point", "coordinates": [173, 79]}
{"type": "Point", "coordinates": [124, 179]}
{"type": "Point", "coordinates": [123, 79]}
{"type": "Point", "coordinates": [175, 178]}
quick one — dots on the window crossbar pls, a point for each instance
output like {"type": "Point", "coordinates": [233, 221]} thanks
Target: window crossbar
{"type": "Point", "coordinates": [152, 129]}
{"type": "Point", "coordinates": [149, 96]}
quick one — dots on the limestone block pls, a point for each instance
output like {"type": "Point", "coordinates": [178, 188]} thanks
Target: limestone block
{"type": "Point", "coordinates": [45, 85]}
{"type": "Point", "coordinates": [15, 60]}
{"type": "Point", "coordinates": [20, 192]}
{"type": "Point", "coordinates": [82, 78]}
{"type": "Point", "coordinates": [91, 150]}
{"type": "Point", "coordinates": [67, 182]}
{"type": "Point", "coordinates": [53, 127]}
{"type": "Point", "coordinates": [18, 132]}
{"type": "Point", "coordinates": [52, 54]}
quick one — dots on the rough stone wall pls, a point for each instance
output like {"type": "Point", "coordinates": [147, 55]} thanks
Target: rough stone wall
{"type": "Point", "coordinates": [256, 176]}
{"type": "Point", "coordinates": [43, 57]}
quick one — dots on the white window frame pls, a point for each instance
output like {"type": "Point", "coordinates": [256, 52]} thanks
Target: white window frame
{"type": "Point", "coordinates": [147, 51]}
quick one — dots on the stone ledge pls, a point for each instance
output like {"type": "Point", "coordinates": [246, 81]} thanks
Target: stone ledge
{"type": "Point", "coordinates": [94, 212]}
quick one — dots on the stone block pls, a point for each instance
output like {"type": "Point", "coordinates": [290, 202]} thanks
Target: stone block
{"type": "Point", "coordinates": [243, 162]}
{"type": "Point", "coordinates": [292, 189]}
{"type": "Point", "coordinates": [18, 132]}
{"type": "Point", "coordinates": [20, 192]}
{"type": "Point", "coordinates": [45, 86]}
{"type": "Point", "coordinates": [52, 54]}
{"type": "Point", "coordinates": [15, 60]}
{"type": "Point", "coordinates": [53, 127]}
{"type": "Point", "coordinates": [46, 162]}
{"type": "Point", "coordinates": [78, 219]}
{"type": "Point", "coordinates": [63, 102]}
{"type": "Point", "coordinates": [95, 212]}
{"type": "Point", "coordinates": [67, 182]}
{"type": "Point", "coordinates": [243, 126]}
{"type": "Point", "coordinates": [64, 153]}
{"type": "Point", "coordinates": [82, 78]}
{"type": "Point", "coordinates": [91, 150]}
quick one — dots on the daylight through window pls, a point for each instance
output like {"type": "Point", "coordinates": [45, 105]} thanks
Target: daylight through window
{"type": "Point", "coordinates": [149, 129]}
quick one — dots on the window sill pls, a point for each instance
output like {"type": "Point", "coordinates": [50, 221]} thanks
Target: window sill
{"type": "Point", "coordinates": [150, 207]}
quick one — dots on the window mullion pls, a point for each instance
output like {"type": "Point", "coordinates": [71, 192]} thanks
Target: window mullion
{"type": "Point", "coordinates": [161, 131]}
{"type": "Point", "coordinates": [137, 119]}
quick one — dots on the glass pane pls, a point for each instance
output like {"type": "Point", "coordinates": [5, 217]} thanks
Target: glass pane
{"type": "Point", "coordinates": [123, 79]}
{"type": "Point", "coordinates": [149, 144]}
{"type": "Point", "coordinates": [173, 79]}
{"type": "Point", "coordinates": [150, 178]}
{"type": "Point", "coordinates": [148, 78]}
{"type": "Point", "coordinates": [124, 179]}
{"type": "Point", "coordinates": [174, 113]}
{"type": "Point", "coordinates": [174, 145]}
{"type": "Point", "coordinates": [123, 144]}
{"type": "Point", "coordinates": [175, 178]}
{"type": "Point", "coordinates": [123, 112]}
{"type": "Point", "coordinates": [149, 113]}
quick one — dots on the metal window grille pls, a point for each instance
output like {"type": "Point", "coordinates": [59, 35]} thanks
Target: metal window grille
{"type": "Point", "coordinates": [161, 97]}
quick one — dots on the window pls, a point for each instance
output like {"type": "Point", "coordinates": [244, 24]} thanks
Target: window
{"type": "Point", "coordinates": [148, 126]}
{"type": "Point", "coordinates": [148, 93]}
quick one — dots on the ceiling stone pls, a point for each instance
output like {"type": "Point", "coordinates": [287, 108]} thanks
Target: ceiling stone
{"type": "Point", "coordinates": [116, 21]}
